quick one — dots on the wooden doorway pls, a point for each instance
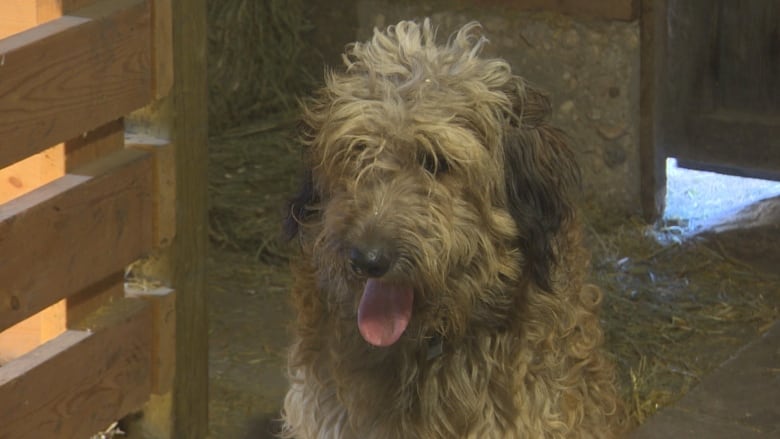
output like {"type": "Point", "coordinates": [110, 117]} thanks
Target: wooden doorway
{"type": "Point", "coordinates": [710, 90]}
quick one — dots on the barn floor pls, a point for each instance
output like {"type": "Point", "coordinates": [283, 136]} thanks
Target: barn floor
{"type": "Point", "coordinates": [741, 399]}
{"type": "Point", "coordinates": [673, 314]}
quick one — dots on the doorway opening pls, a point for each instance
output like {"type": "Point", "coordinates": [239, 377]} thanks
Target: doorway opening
{"type": "Point", "coordinates": [698, 199]}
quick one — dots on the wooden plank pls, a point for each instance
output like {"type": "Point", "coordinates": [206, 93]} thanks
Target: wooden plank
{"type": "Point", "coordinates": [20, 15]}
{"type": "Point", "coordinates": [52, 9]}
{"type": "Point", "coordinates": [745, 59]}
{"type": "Point", "coordinates": [94, 144]}
{"type": "Point", "coordinates": [67, 76]}
{"type": "Point", "coordinates": [164, 181]}
{"type": "Point", "coordinates": [163, 304]}
{"type": "Point", "coordinates": [32, 332]}
{"type": "Point", "coordinates": [16, 16]}
{"type": "Point", "coordinates": [89, 300]}
{"type": "Point", "coordinates": [20, 339]}
{"type": "Point", "coordinates": [73, 232]}
{"type": "Point", "coordinates": [54, 320]}
{"type": "Point", "coordinates": [32, 172]}
{"type": "Point", "coordinates": [80, 382]}
{"type": "Point", "coordinates": [610, 9]}
{"type": "Point", "coordinates": [719, 136]}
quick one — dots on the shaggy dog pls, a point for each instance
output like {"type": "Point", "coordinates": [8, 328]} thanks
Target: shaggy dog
{"type": "Point", "coordinates": [439, 287]}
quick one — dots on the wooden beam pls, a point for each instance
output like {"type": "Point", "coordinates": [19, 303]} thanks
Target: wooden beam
{"type": "Point", "coordinates": [67, 76]}
{"type": "Point", "coordinates": [19, 339]}
{"type": "Point", "coordinates": [190, 137]}
{"type": "Point", "coordinates": [95, 143]}
{"type": "Point", "coordinates": [74, 232]}
{"type": "Point", "coordinates": [80, 382]}
{"type": "Point", "coordinates": [652, 163]}
{"type": "Point", "coordinates": [163, 304]}
{"type": "Point", "coordinates": [609, 9]}
{"type": "Point", "coordinates": [51, 9]}
{"type": "Point", "coordinates": [181, 117]}
{"type": "Point", "coordinates": [32, 172]}
{"type": "Point", "coordinates": [164, 182]}
{"type": "Point", "coordinates": [89, 300]}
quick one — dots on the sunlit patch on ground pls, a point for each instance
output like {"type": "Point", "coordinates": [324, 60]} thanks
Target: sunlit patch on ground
{"type": "Point", "coordinates": [696, 199]}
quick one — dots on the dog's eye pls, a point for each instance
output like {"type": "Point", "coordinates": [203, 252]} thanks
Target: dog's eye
{"type": "Point", "coordinates": [434, 164]}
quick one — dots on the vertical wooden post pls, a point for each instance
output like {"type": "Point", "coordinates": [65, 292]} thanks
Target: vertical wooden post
{"type": "Point", "coordinates": [190, 137]}
{"type": "Point", "coordinates": [652, 163]}
{"type": "Point", "coordinates": [180, 115]}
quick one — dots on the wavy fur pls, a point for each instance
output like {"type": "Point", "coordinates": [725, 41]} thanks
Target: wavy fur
{"type": "Point", "coordinates": [448, 158]}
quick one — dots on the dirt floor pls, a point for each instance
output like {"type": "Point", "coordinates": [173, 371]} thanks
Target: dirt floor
{"type": "Point", "coordinates": [672, 312]}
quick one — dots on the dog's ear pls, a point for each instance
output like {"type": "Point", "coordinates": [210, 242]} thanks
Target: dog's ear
{"type": "Point", "coordinates": [299, 207]}
{"type": "Point", "coordinates": [541, 174]}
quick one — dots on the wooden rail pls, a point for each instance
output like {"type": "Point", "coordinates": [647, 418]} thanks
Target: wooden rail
{"type": "Point", "coordinates": [78, 350]}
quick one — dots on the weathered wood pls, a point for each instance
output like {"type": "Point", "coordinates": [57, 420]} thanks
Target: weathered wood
{"type": "Point", "coordinates": [80, 382]}
{"type": "Point", "coordinates": [164, 182]}
{"type": "Point", "coordinates": [73, 232]}
{"type": "Point", "coordinates": [745, 49]}
{"type": "Point", "coordinates": [95, 143]}
{"type": "Point", "coordinates": [190, 136]}
{"type": "Point", "coordinates": [719, 90]}
{"type": "Point", "coordinates": [181, 117]}
{"type": "Point", "coordinates": [163, 304]}
{"type": "Point", "coordinates": [652, 162]}
{"type": "Point", "coordinates": [89, 300]}
{"type": "Point", "coordinates": [54, 320]}
{"type": "Point", "coordinates": [67, 76]}
{"type": "Point", "coordinates": [32, 172]}
{"type": "Point", "coordinates": [610, 9]}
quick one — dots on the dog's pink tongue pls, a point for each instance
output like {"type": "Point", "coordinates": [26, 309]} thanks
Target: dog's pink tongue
{"type": "Point", "coordinates": [384, 312]}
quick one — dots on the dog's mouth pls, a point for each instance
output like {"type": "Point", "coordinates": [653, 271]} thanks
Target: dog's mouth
{"type": "Point", "coordinates": [384, 311]}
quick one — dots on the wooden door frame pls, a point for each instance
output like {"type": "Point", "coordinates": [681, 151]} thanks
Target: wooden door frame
{"type": "Point", "coordinates": [652, 160]}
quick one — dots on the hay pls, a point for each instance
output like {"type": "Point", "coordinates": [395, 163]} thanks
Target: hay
{"type": "Point", "coordinates": [255, 63]}
{"type": "Point", "coordinates": [256, 73]}
{"type": "Point", "coordinates": [674, 312]}
{"type": "Point", "coordinates": [250, 178]}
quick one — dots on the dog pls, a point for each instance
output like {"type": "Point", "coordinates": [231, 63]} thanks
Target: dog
{"type": "Point", "coordinates": [439, 281]}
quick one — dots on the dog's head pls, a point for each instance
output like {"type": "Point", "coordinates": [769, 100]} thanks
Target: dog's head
{"type": "Point", "coordinates": [434, 186]}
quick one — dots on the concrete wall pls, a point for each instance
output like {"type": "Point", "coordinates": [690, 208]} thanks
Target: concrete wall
{"type": "Point", "coordinates": [589, 66]}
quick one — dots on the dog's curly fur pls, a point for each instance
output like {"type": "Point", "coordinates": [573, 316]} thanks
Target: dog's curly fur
{"type": "Point", "coordinates": [447, 161]}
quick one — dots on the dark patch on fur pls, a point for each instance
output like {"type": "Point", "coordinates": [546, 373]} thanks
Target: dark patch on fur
{"type": "Point", "coordinates": [298, 209]}
{"type": "Point", "coordinates": [540, 174]}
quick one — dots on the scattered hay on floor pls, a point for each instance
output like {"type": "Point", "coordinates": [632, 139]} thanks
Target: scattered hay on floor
{"type": "Point", "coordinates": [674, 312]}
{"type": "Point", "coordinates": [251, 178]}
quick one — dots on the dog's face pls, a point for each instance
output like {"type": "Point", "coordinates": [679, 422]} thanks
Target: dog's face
{"type": "Point", "coordinates": [433, 187]}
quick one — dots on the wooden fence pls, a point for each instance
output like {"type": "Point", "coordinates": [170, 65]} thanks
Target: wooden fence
{"type": "Point", "coordinates": [81, 200]}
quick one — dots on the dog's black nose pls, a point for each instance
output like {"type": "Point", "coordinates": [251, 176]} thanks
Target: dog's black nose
{"type": "Point", "coordinates": [370, 260]}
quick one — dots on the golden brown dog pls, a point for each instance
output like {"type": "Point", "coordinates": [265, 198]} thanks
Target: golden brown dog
{"type": "Point", "coordinates": [439, 287]}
